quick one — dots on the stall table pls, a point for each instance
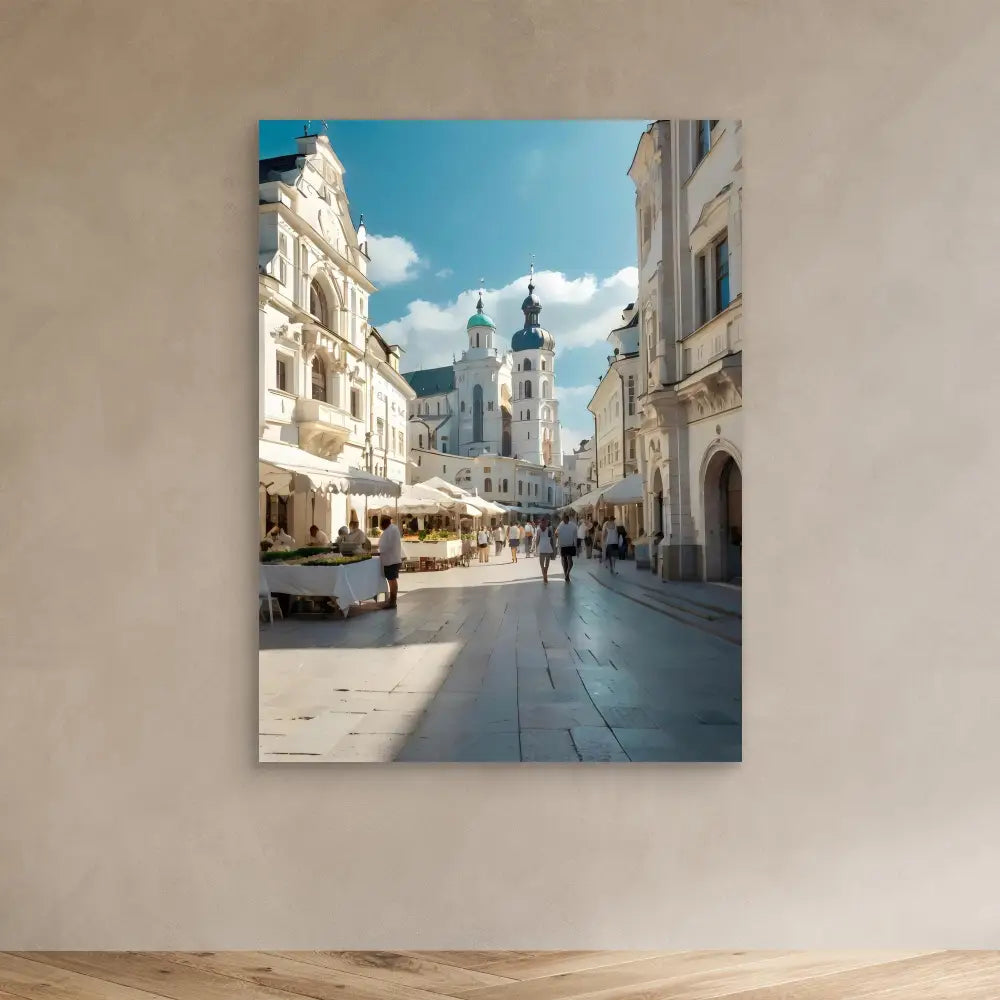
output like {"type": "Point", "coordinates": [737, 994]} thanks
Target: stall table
{"type": "Point", "coordinates": [348, 584]}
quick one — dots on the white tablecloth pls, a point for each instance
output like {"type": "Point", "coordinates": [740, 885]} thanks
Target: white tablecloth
{"type": "Point", "coordinates": [361, 581]}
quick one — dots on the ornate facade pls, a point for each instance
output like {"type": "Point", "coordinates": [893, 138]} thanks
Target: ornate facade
{"type": "Point", "coordinates": [689, 194]}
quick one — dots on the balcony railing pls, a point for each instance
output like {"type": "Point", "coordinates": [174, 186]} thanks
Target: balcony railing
{"type": "Point", "coordinates": [720, 336]}
{"type": "Point", "coordinates": [326, 415]}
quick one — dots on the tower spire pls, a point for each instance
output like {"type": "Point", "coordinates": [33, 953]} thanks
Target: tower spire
{"type": "Point", "coordinates": [479, 304]}
{"type": "Point", "coordinates": [531, 274]}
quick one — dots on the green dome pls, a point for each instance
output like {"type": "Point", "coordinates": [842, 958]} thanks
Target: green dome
{"type": "Point", "coordinates": [480, 319]}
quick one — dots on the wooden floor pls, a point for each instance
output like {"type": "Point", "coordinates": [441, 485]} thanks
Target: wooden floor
{"type": "Point", "coordinates": [501, 975]}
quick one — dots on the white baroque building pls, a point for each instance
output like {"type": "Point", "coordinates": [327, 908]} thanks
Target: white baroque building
{"type": "Point", "coordinates": [688, 177]}
{"type": "Point", "coordinates": [494, 404]}
{"type": "Point", "coordinates": [328, 383]}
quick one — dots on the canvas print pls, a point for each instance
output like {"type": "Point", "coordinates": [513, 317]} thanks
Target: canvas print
{"type": "Point", "coordinates": [500, 441]}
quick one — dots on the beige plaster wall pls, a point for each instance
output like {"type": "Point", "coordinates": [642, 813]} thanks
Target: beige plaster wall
{"type": "Point", "coordinates": [134, 814]}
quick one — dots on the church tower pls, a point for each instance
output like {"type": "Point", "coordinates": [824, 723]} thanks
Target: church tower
{"type": "Point", "coordinates": [481, 375]}
{"type": "Point", "coordinates": [535, 412]}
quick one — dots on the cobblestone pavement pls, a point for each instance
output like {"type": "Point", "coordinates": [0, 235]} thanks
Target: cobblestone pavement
{"type": "Point", "coordinates": [487, 663]}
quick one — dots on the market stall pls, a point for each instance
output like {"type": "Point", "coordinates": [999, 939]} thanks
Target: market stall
{"type": "Point", "coordinates": [346, 584]}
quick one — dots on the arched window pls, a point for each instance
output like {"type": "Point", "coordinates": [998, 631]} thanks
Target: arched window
{"type": "Point", "coordinates": [543, 364]}
{"type": "Point", "coordinates": [477, 340]}
{"type": "Point", "coordinates": [520, 488]}
{"type": "Point", "coordinates": [439, 408]}
{"type": "Point", "coordinates": [546, 389]}
{"type": "Point", "coordinates": [505, 487]}
{"type": "Point", "coordinates": [488, 485]}
{"type": "Point", "coordinates": [318, 379]}
{"type": "Point", "coordinates": [420, 440]}
{"type": "Point", "coordinates": [477, 413]}
{"type": "Point", "coordinates": [545, 413]}
{"type": "Point", "coordinates": [318, 306]}
{"type": "Point", "coordinates": [527, 364]}
{"type": "Point", "coordinates": [527, 390]}
{"type": "Point", "coordinates": [528, 417]}
{"type": "Point", "coordinates": [550, 494]}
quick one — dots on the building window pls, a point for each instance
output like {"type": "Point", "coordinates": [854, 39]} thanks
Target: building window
{"type": "Point", "coordinates": [705, 127]}
{"type": "Point", "coordinates": [505, 486]}
{"type": "Point", "coordinates": [444, 447]}
{"type": "Point", "coordinates": [701, 280]}
{"type": "Point", "coordinates": [477, 413]}
{"type": "Point", "coordinates": [462, 407]}
{"type": "Point", "coordinates": [543, 364]}
{"type": "Point", "coordinates": [617, 407]}
{"type": "Point", "coordinates": [318, 379]}
{"type": "Point", "coordinates": [631, 450]}
{"type": "Point", "coordinates": [282, 270]}
{"type": "Point", "coordinates": [420, 440]}
{"type": "Point", "coordinates": [318, 306]}
{"type": "Point", "coordinates": [528, 417]}
{"type": "Point", "coordinates": [380, 432]}
{"type": "Point", "coordinates": [356, 403]}
{"type": "Point", "coordinates": [488, 485]}
{"type": "Point", "coordinates": [536, 489]}
{"type": "Point", "coordinates": [520, 489]}
{"type": "Point", "coordinates": [281, 376]}
{"type": "Point", "coordinates": [438, 406]}
{"type": "Point", "coordinates": [527, 364]}
{"type": "Point", "coordinates": [489, 406]}
{"type": "Point", "coordinates": [527, 390]}
{"type": "Point", "coordinates": [631, 395]}
{"type": "Point", "coordinates": [550, 494]}
{"type": "Point", "coordinates": [401, 442]}
{"type": "Point", "coordinates": [283, 244]}
{"type": "Point", "coordinates": [721, 274]}
{"type": "Point", "coordinates": [477, 340]}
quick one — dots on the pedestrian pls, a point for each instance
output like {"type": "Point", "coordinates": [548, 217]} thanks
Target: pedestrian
{"type": "Point", "coordinates": [579, 536]}
{"type": "Point", "coordinates": [483, 540]}
{"type": "Point", "coordinates": [610, 541]}
{"type": "Point", "coordinates": [622, 542]}
{"type": "Point", "coordinates": [546, 545]}
{"type": "Point", "coordinates": [513, 540]}
{"type": "Point", "coordinates": [529, 537]}
{"type": "Point", "coordinates": [390, 554]}
{"type": "Point", "coordinates": [566, 538]}
{"type": "Point", "coordinates": [498, 537]}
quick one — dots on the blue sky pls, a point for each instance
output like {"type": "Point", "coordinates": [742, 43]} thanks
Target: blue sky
{"type": "Point", "coordinates": [449, 202]}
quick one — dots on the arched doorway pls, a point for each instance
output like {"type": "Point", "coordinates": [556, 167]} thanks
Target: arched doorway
{"type": "Point", "coordinates": [657, 525]}
{"type": "Point", "coordinates": [723, 505]}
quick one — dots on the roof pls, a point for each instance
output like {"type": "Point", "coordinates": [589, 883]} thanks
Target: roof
{"type": "Point", "coordinates": [431, 381]}
{"type": "Point", "coordinates": [532, 338]}
{"type": "Point", "coordinates": [480, 319]}
{"type": "Point", "coordinates": [277, 165]}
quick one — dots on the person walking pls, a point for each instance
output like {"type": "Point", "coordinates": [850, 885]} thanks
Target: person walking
{"type": "Point", "coordinates": [579, 536]}
{"type": "Point", "coordinates": [390, 554]}
{"type": "Point", "coordinates": [498, 537]}
{"type": "Point", "coordinates": [483, 544]}
{"type": "Point", "coordinates": [513, 540]}
{"type": "Point", "coordinates": [566, 539]}
{"type": "Point", "coordinates": [610, 541]}
{"type": "Point", "coordinates": [546, 545]}
{"type": "Point", "coordinates": [529, 537]}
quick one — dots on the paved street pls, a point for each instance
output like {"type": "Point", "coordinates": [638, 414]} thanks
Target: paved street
{"type": "Point", "coordinates": [487, 663]}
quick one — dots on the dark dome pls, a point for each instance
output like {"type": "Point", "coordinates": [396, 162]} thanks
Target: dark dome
{"type": "Point", "coordinates": [533, 338]}
{"type": "Point", "coordinates": [531, 302]}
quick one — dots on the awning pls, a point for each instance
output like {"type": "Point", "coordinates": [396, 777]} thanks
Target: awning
{"type": "Point", "coordinates": [590, 499]}
{"type": "Point", "coordinates": [627, 490]}
{"type": "Point", "coordinates": [418, 498]}
{"type": "Point", "coordinates": [284, 469]}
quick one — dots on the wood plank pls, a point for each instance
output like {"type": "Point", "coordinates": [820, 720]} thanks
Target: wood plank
{"type": "Point", "coordinates": [943, 976]}
{"type": "Point", "coordinates": [476, 960]}
{"type": "Point", "coordinates": [35, 979]}
{"type": "Point", "coordinates": [157, 974]}
{"type": "Point", "coordinates": [406, 968]}
{"type": "Point", "coordinates": [685, 976]}
{"type": "Point", "coordinates": [270, 969]}
{"type": "Point", "coordinates": [535, 965]}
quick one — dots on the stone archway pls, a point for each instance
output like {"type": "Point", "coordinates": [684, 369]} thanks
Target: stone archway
{"type": "Point", "coordinates": [722, 502]}
{"type": "Point", "coordinates": [657, 509]}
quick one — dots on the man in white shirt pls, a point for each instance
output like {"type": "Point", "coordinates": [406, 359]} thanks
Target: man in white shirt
{"type": "Point", "coordinates": [566, 540]}
{"type": "Point", "coordinates": [390, 554]}
{"type": "Point", "coordinates": [355, 538]}
{"type": "Point", "coordinates": [529, 537]}
{"type": "Point", "coordinates": [279, 538]}
{"type": "Point", "coordinates": [318, 537]}
{"type": "Point", "coordinates": [498, 537]}
{"type": "Point", "coordinates": [483, 543]}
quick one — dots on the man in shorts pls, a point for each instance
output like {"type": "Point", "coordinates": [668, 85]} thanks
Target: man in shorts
{"type": "Point", "coordinates": [390, 554]}
{"type": "Point", "coordinates": [566, 540]}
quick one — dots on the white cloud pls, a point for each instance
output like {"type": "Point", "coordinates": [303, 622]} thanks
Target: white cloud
{"type": "Point", "coordinates": [394, 260]}
{"type": "Point", "coordinates": [445, 272]}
